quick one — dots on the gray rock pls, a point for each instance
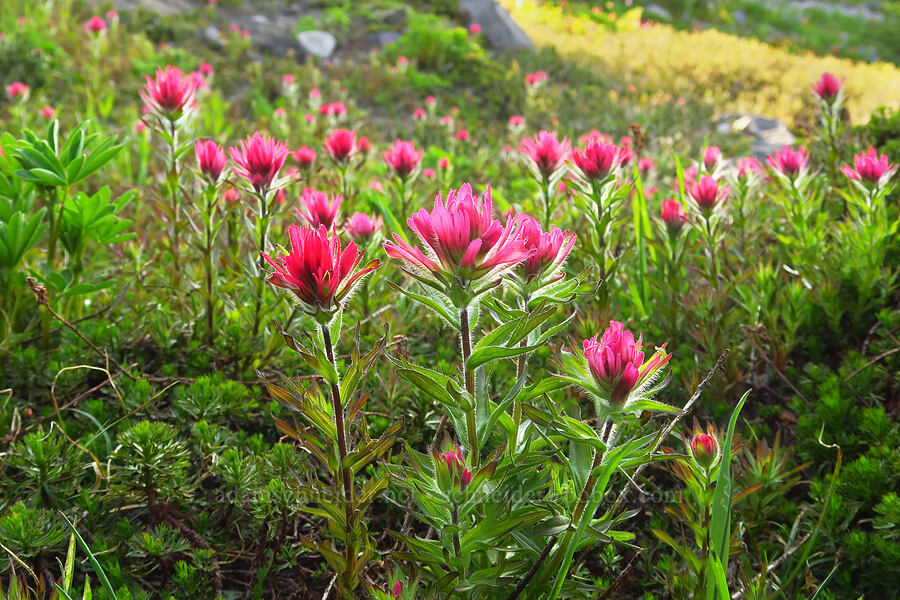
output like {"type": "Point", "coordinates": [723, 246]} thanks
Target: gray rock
{"type": "Point", "coordinates": [161, 7]}
{"type": "Point", "coordinates": [394, 17]}
{"type": "Point", "coordinates": [497, 27]}
{"type": "Point", "coordinates": [317, 43]}
{"type": "Point", "coordinates": [278, 44]}
{"type": "Point", "coordinates": [259, 19]}
{"type": "Point", "coordinates": [380, 39]}
{"type": "Point", "coordinates": [657, 12]}
{"type": "Point", "coordinates": [768, 134]}
{"type": "Point", "coordinates": [212, 36]}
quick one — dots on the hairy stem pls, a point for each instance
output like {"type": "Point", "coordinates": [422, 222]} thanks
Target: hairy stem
{"type": "Point", "coordinates": [466, 336]}
{"type": "Point", "coordinates": [350, 538]}
{"type": "Point", "coordinates": [176, 207]}
{"type": "Point", "coordinates": [262, 227]}
{"type": "Point", "coordinates": [517, 405]}
{"type": "Point", "coordinates": [455, 521]}
{"type": "Point", "coordinates": [338, 407]}
{"type": "Point", "coordinates": [207, 258]}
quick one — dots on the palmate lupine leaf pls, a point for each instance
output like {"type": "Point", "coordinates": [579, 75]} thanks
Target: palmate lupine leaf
{"type": "Point", "coordinates": [18, 235]}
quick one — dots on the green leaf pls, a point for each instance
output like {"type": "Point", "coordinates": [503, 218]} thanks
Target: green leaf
{"type": "Point", "coordinates": [489, 353]}
{"type": "Point", "coordinates": [425, 382]}
{"type": "Point", "coordinates": [720, 516]}
{"type": "Point", "coordinates": [69, 569]}
{"type": "Point", "coordinates": [430, 303]}
{"type": "Point", "coordinates": [716, 582]}
{"type": "Point", "coordinates": [552, 526]}
{"type": "Point", "coordinates": [107, 588]}
{"type": "Point", "coordinates": [654, 406]}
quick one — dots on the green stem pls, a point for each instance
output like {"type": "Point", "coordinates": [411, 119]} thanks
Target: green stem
{"type": "Point", "coordinates": [704, 547]}
{"type": "Point", "coordinates": [207, 260]}
{"type": "Point", "coordinates": [339, 423]}
{"type": "Point", "coordinates": [455, 520]}
{"type": "Point", "coordinates": [55, 224]}
{"type": "Point", "coordinates": [548, 207]}
{"type": "Point", "coordinates": [466, 336]}
{"type": "Point", "coordinates": [404, 200]}
{"type": "Point", "coordinates": [262, 227]}
{"type": "Point", "coordinates": [517, 405]}
{"type": "Point", "coordinates": [176, 208]}
{"type": "Point", "coordinates": [561, 552]}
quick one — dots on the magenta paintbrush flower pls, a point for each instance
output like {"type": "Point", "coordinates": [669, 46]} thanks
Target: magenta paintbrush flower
{"type": "Point", "coordinates": [645, 166]}
{"type": "Point", "coordinates": [403, 158]}
{"type": "Point", "coordinates": [451, 471]}
{"type": "Point", "coordinates": [170, 94]}
{"type": "Point", "coordinates": [870, 167]}
{"type": "Point", "coordinates": [317, 271]}
{"type": "Point", "coordinates": [362, 228]}
{"type": "Point", "coordinates": [210, 159]}
{"type": "Point", "coordinates": [616, 362]}
{"type": "Point", "coordinates": [259, 158]}
{"type": "Point", "coordinates": [705, 449]}
{"type": "Point", "coordinates": [341, 145]}
{"type": "Point", "coordinates": [95, 25]}
{"type": "Point", "coordinates": [598, 161]}
{"type": "Point", "coordinates": [712, 156]}
{"type": "Point", "coordinates": [305, 156]}
{"type": "Point", "coordinates": [466, 246]}
{"type": "Point", "coordinates": [748, 166]}
{"type": "Point", "coordinates": [536, 79]}
{"type": "Point", "coordinates": [17, 91]}
{"type": "Point", "coordinates": [397, 590]}
{"type": "Point", "coordinates": [673, 215]}
{"type": "Point", "coordinates": [828, 87]}
{"type": "Point", "coordinates": [789, 162]}
{"type": "Point", "coordinates": [707, 193]}
{"type": "Point", "coordinates": [318, 208]}
{"type": "Point", "coordinates": [545, 153]}
{"type": "Point", "coordinates": [547, 250]}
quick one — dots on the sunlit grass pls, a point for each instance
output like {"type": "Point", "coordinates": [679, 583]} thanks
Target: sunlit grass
{"type": "Point", "coordinates": [736, 73]}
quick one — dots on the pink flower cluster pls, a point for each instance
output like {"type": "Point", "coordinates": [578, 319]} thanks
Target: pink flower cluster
{"type": "Point", "coordinates": [463, 242]}
{"type": "Point", "coordinates": [547, 250]}
{"type": "Point", "coordinates": [545, 153]}
{"type": "Point", "coordinates": [673, 215]}
{"type": "Point", "coordinates": [617, 363]}
{"type": "Point", "coordinates": [828, 87]}
{"type": "Point", "coordinates": [537, 78]}
{"type": "Point", "coordinates": [210, 159]}
{"type": "Point", "coordinates": [870, 167]}
{"type": "Point", "coordinates": [459, 475]}
{"type": "Point", "coordinates": [170, 93]}
{"type": "Point", "coordinates": [17, 90]}
{"type": "Point", "coordinates": [599, 160]}
{"type": "Point", "coordinates": [304, 156]}
{"type": "Point", "coordinates": [707, 193]}
{"type": "Point", "coordinates": [362, 228]}
{"type": "Point", "coordinates": [705, 449]}
{"type": "Point", "coordinates": [403, 158]}
{"type": "Point", "coordinates": [319, 209]}
{"type": "Point", "coordinates": [259, 158]}
{"type": "Point", "coordinates": [95, 25]}
{"type": "Point", "coordinates": [317, 270]}
{"type": "Point", "coordinates": [789, 162]}
{"type": "Point", "coordinates": [341, 145]}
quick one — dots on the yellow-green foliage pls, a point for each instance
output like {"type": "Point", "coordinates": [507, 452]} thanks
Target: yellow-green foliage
{"type": "Point", "coordinates": [736, 73]}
